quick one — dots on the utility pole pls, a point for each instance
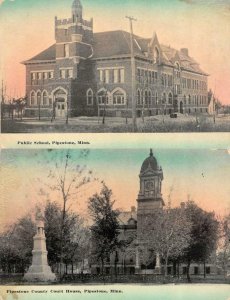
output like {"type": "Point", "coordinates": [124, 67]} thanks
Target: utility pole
{"type": "Point", "coordinates": [2, 92]}
{"type": "Point", "coordinates": [133, 72]}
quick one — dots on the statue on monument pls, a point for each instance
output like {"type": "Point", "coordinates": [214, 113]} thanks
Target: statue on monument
{"type": "Point", "coordinates": [39, 270]}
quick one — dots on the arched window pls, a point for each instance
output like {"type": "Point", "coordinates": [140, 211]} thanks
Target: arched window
{"type": "Point", "coordinates": [177, 71]}
{"type": "Point", "coordinates": [45, 98]}
{"type": "Point", "coordinates": [164, 98]}
{"type": "Point", "coordinates": [38, 98]}
{"type": "Point", "coordinates": [156, 98]}
{"type": "Point", "coordinates": [146, 97]}
{"type": "Point", "coordinates": [150, 97]}
{"type": "Point", "coordinates": [103, 97]}
{"type": "Point", "coordinates": [170, 98]}
{"type": "Point", "coordinates": [118, 98]}
{"type": "Point", "coordinates": [89, 96]}
{"type": "Point", "coordinates": [32, 98]}
{"type": "Point", "coordinates": [138, 97]}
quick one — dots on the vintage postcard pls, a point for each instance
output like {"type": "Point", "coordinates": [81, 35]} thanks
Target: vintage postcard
{"type": "Point", "coordinates": [115, 218]}
{"type": "Point", "coordinates": [115, 66]}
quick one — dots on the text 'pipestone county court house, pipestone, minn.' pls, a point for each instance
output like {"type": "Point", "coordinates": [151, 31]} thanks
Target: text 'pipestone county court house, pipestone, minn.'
{"type": "Point", "coordinates": [86, 73]}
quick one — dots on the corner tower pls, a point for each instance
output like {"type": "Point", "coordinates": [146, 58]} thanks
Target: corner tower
{"type": "Point", "coordinates": [151, 176]}
{"type": "Point", "coordinates": [74, 37]}
{"type": "Point", "coordinates": [77, 11]}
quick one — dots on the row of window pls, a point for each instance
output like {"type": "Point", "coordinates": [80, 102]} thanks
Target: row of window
{"type": "Point", "coordinates": [146, 76]}
{"type": "Point", "coordinates": [118, 97]}
{"type": "Point", "coordinates": [147, 98]}
{"type": "Point", "coordinates": [193, 84]}
{"type": "Point", "coordinates": [66, 73]}
{"type": "Point", "coordinates": [112, 75]}
{"type": "Point", "coordinates": [40, 99]}
{"type": "Point", "coordinates": [42, 75]}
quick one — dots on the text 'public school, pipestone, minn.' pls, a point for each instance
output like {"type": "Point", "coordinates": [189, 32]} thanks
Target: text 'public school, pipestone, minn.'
{"type": "Point", "coordinates": [57, 143]}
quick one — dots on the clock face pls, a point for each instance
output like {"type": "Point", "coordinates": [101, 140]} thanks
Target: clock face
{"type": "Point", "coordinates": [149, 185]}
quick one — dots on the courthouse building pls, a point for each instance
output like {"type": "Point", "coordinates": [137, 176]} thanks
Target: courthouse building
{"type": "Point", "coordinates": [87, 73]}
{"type": "Point", "coordinates": [137, 258]}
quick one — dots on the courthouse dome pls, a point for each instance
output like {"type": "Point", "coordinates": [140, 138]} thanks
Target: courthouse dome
{"type": "Point", "coordinates": [149, 162]}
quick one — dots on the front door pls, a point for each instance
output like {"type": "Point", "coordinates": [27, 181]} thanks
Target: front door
{"type": "Point", "coordinates": [60, 109]}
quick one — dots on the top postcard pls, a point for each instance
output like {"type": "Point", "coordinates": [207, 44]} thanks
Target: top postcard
{"type": "Point", "coordinates": [115, 66]}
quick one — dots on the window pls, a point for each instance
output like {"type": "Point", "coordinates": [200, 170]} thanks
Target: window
{"type": "Point", "coordinates": [101, 75]}
{"type": "Point", "coordinates": [156, 97]}
{"type": "Point", "coordinates": [156, 55]}
{"type": "Point", "coordinates": [177, 71]}
{"type": "Point", "coordinates": [138, 97]}
{"type": "Point", "coordinates": [39, 98]}
{"type": "Point", "coordinates": [208, 270]}
{"type": "Point", "coordinates": [106, 76]}
{"type": "Point", "coordinates": [149, 98]}
{"type": "Point", "coordinates": [32, 98]}
{"type": "Point", "coordinates": [139, 75]}
{"type": "Point", "coordinates": [122, 75]}
{"type": "Point", "coordinates": [115, 72]}
{"type": "Point", "coordinates": [146, 97]}
{"type": "Point", "coordinates": [89, 97]}
{"type": "Point", "coordinates": [51, 75]}
{"type": "Point", "coordinates": [66, 50]}
{"type": "Point", "coordinates": [118, 98]}
{"type": "Point", "coordinates": [170, 99]}
{"type": "Point", "coordinates": [184, 99]}
{"type": "Point", "coordinates": [196, 270]}
{"type": "Point", "coordinates": [33, 76]}
{"type": "Point", "coordinates": [69, 73]}
{"type": "Point", "coordinates": [45, 99]}
{"type": "Point", "coordinates": [102, 96]}
{"type": "Point", "coordinates": [62, 73]}
{"type": "Point", "coordinates": [164, 98]}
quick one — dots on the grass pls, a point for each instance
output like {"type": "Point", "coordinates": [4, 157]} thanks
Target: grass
{"type": "Point", "coordinates": [17, 279]}
{"type": "Point", "coordinates": [184, 123]}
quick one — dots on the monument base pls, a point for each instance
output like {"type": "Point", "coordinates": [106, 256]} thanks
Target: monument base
{"type": "Point", "coordinates": [39, 273]}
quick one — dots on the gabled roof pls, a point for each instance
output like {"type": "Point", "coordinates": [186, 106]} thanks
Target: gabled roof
{"type": "Point", "coordinates": [125, 216]}
{"type": "Point", "coordinates": [48, 54]}
{"type": "Point", "coordinates": [117, 43]}
{"type": "Point", "coordinates": [114, 43]}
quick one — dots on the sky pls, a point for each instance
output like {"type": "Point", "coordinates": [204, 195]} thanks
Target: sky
{"type": "Point", "coordinates": [203, 175]}
{"type": "Point", "coordinates": [27, 28]}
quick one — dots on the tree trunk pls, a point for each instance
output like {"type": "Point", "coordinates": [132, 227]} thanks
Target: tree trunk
{"type": "Point", "coordinates": [174, 268]}
{"type": "Point", "coordinates": [178, 269]}
{"type": "Point", "coordinates": [204, 269]}
{"type": "Point", "coordinates": [166, 266]}
{"type": "Point", "coordinates": [188, 268]}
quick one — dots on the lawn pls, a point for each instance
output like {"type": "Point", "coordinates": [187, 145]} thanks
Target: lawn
{"type": "Point", "coordinates": [184, 123]}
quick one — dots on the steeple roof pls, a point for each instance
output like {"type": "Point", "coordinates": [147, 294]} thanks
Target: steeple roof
{"type": "Point", "coordinates": [76, 4]}
{"type": "Point", "coordinates": [149, 162]}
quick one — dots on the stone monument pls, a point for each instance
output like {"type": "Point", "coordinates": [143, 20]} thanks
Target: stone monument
{"type": "Point", "coordinates": [39, 270]}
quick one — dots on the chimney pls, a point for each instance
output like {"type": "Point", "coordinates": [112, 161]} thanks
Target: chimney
{"type": "Point", "coordinates": [182, 205]}
{"type": "Point", "coordinates": [184, 51]}
{"type": "Point", "coordinates": [133, 209]}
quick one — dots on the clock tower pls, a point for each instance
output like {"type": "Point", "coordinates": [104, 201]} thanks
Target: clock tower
{"type": "Point", "coordinates": [151, 176]}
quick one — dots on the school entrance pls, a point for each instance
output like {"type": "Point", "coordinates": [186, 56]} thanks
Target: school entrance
{"type": "Point", "coordinates": [60, 101]}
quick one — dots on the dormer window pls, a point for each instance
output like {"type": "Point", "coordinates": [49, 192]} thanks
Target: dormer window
{"type": "Point", "coordinates": [177, 70]}
{"type": "Point", "coordinates": [156, 55]}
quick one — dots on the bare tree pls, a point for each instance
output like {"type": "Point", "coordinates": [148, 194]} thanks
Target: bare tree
{"type": "Point", "coordinates": [66, 178]}
{"type": "Point", "coordinates": [168, 233]}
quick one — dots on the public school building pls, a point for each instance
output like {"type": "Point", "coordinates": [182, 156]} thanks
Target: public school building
{"type": "Point", "coordinates": [86, 73]}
